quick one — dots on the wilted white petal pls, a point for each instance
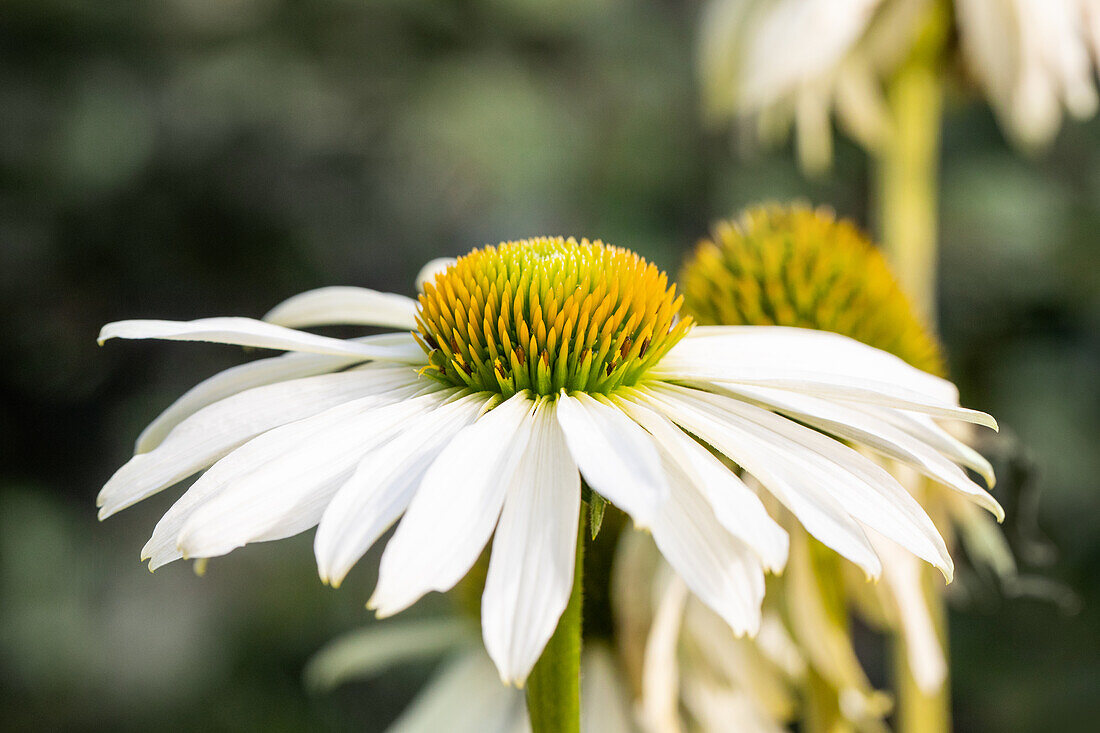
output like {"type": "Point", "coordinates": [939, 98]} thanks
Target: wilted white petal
{"type": "Point", "coordinates": [661, 671]}
{"type": "Point", "coordinates": [604, 696]}
{"type": "Point", "coordinates": [336, 305]}
{"type": "Point", "coordinates": [250, 332]}
{"type": "Point", "coordinates": [531, 567]}
{"type": "Point", "coordinates": [924, 652]}
{"type": "Point", "coordinates": [465, 697]}
{"type": "Point", "coordinates": [455, 508]}
{"type": "Point", "coordinates": [378, 647]}
{"type": "Point", "coordinates": [383, 485]}
{"type": "Point", "coordinates": [616, 456]}
{"type": "Point", "coordinates": [215, 430]}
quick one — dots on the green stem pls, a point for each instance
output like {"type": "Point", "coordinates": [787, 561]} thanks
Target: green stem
{"type": "Point", "coordinates": [908, 166]}
{"type": "Point", "coordinates": [907, 180]}
{"type": "Point", "coordinates": [554, 687]}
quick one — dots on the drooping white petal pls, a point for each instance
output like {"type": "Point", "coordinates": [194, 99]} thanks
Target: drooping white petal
{"type": "Point", "coordinates": [868, 430]}
{"type": "Point", "coordinates": [604, 699]}
{"type": "Point", "coordinates": [616, 456]}
{"type": "Point", "coordinates": [813, 362]}
{"type": "Point", "coordinates": [163, 545]}
{"type": "Point", "coordinates": [786, 475]}
{"type": "Point", "coordinates": [454, 510]}
{"type": "Point", "coordinates": [465, 697]}
{"type": "Point", "coordinates": [250, 332]}
{"type": "Point", "coordinates": [215, 430]}
{"type": "Point", "coordinates": [720, 569]}
{"type": "Point", "coordinates": [865, 490]}
{"type": "Point", "coordinates": [238, 379]}
{"type": "Point", "coordinates": [289, 492]}
{"type": "Point", "coordinates": [378, 647]}
{"type": "Point", "coordinates": [531, 567]}
{"type": "Point", "coordinates": [735, 505]}
{"type": "Point", "coordinates": [660, 703]}
{"type": "Point", "coordinates": [335, 305]}
{"type": "Point", "coordinates": [902, 576]}
{"type": "Point", "coordinates": [382, 486]}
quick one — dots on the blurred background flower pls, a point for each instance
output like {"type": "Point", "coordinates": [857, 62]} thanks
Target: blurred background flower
{"type": "Point", "coordinates": [199, 157]}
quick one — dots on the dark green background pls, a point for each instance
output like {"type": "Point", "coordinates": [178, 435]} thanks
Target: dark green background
{"type": "Point", "coordinates": [188, 158]}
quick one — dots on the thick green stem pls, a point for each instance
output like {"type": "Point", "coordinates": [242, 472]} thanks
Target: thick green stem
{"type": "Point", "coordinates": [907, 181]}
{"type": "Point", "coordinates": [554, 687]}
{"type": "Point", "coordinates": [908, 165]}
{"type": "Point", "coordinates": [907, 171]}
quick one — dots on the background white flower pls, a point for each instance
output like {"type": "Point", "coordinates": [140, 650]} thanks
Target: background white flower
{"type": "Point", "coordinates": [798, 61]}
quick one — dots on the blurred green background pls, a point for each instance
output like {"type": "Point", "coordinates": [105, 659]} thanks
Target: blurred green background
{"type": "Point", "coordinates": [189, 158]}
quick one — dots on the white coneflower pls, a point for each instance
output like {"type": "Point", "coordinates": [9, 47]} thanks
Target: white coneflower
{"type": "Point", "coordinates": [799, 60]}
{"type": "Point", "coordinates": [523, 363]}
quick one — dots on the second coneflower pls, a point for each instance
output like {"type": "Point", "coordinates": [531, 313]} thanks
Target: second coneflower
{"type": "Point", "coordinates": [519, 370]}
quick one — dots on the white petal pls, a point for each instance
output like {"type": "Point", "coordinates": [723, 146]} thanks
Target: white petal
{"type": "Point", "coordinates": [531, 568]}
{"type": "Point", "coordinates": [237, 379]}
{"type": "Point", "coordinates": [250, 332]}
{"type": "Point", "coordinates": [455, 508]}
{"type": "Point", "coordinates": [786, 476]}
{"type": "Point", "coordinates": [735, 505]}
{"type": "Point", "coordinates": [813, 362]}
{"type": "Point", "coordinates": [289, 492]}
{"type": "Point", "coordinates": [163, 545]}
{"type": "Point", "coordinates": [383, 485]}
{"type": "Point", "coordinates": [334, 305]}
{"type": "Point", "coordinates": [924, 653]}
{"type": "Point", "coordinates": [465, 697]}
{"type": "Point", "coordinates": [660, 708]}
{"type": "Point", "coordinates": [863, 489]}
{"type": "Point", "coordinates": [866, 429]}
{"type": "Point", "coordinates": [429, 271]}
{"type": "Point", "coordinates": [604, 700]}
{"type": "Point", "coordinates": [616, 456]}
{"type": "Point", "coordinates": [215, 430]}
{"type": "Point", "coordinates": [719, 568]}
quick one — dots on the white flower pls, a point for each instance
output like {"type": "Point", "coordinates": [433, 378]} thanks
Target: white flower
{"type": "Point", "coordinates": [525, 367]}
{"type": "Point", "coordinates": [785, 60]}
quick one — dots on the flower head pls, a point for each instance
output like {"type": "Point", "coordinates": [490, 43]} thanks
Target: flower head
{"type": "Point", "coordinates": [797, 266]}
{"type": "Point", "coordinates": [548, 314]}
{"type": "Point", "coordinates": [450, 425]}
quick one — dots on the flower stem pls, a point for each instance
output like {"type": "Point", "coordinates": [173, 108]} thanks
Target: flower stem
{"type": "Point", "coordinates": [554, 686]}
{"type": "Point", "coordinates": [907, 180]}
{"type": "Point", "coordinates": [908, 165]}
